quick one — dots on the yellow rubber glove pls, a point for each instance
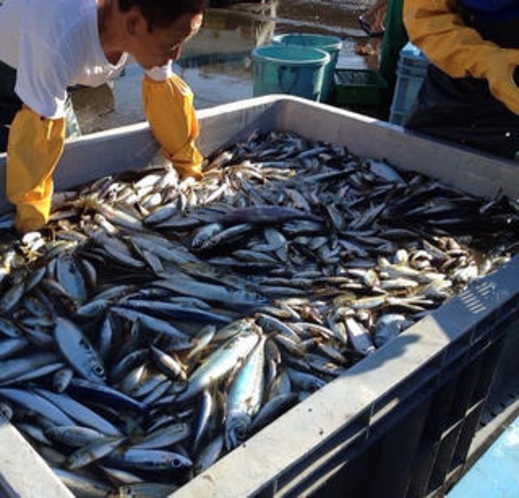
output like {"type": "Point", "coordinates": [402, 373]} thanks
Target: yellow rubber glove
{"type": "Point", "coordinates": [438, 30]}
{"type": "Point", "coordinates": [33, 150]}
{"type": "Point", "coordinates": [168, 107]}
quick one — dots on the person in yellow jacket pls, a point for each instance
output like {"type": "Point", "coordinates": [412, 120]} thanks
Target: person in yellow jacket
{"type": "Point", "coordinates": [47, 47]}
{"type": "Point", "coordinates": [470, 94]}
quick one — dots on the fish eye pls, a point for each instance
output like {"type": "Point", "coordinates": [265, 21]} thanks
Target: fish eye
{"type": "Point", "coordinates": [99, 370]}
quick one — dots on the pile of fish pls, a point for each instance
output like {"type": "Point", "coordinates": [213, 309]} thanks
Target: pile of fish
{"type": "Point", "coordinates": [156, 324]}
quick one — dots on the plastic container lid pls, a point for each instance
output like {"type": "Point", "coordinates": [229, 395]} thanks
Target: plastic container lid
{"type": "Point", "coordinates": [411, 55]}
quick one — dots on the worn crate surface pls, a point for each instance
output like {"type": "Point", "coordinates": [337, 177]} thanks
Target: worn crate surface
{"type": "Point", "coordinates": [423, 392]}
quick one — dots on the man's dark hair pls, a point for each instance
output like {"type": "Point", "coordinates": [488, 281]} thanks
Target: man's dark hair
{"type": "Point", "coordinates": [163, 13]}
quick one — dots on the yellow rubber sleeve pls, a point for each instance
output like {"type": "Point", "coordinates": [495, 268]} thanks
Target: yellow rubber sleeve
{"type": "Point", "coordinates": [34, 147]}
{"type": "Point", "coordinates": [168, 107]}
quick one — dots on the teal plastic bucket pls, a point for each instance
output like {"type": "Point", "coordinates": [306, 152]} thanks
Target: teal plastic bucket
{"type": "Point", "coordinates": [291, 70]}
{"type": "Point", "coordinates": [330, 44]}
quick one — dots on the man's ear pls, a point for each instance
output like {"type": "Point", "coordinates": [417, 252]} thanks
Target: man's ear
{"type": "Point", "coordinates": [133, 17]}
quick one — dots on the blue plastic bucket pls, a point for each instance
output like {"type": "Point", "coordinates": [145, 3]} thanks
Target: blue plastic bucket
{"type": "Point", "coordinates": [291, 70]}
{"type": "Point", "coordinates": [330, 44]}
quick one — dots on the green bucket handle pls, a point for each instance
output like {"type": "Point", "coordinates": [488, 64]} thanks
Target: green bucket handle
{"type": "Point", "coordinates": [282, 70]}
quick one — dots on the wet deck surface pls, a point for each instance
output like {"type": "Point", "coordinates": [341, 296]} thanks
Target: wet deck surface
{"type": "Point", "coordinates": [496, 473]}
{"type": "Point", "coordinates": [217, 63]}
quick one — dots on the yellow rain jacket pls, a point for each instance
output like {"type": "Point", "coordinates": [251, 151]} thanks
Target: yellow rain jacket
{"type": "Point", "coordinates": [436, 27]}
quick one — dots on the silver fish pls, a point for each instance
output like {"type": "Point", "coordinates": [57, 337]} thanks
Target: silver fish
{"type": "Point", "coordinates": [77, 349]}
{"type": "Point", "coordinates": [221, 361]}
{"type": "Point", "coordinates": [245, 396]}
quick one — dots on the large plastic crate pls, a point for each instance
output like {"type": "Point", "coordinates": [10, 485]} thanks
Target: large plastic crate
{"type": "Point", "coordinates": [397, 424]}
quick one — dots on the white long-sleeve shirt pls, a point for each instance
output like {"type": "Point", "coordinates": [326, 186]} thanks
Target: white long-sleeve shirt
{"type": "Point", "coordinates": [53, 44]}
